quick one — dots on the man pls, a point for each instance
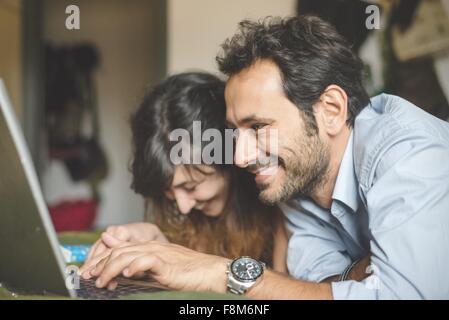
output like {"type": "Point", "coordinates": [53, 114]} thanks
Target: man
{"type": "Point", "coordinates": [361, 182]}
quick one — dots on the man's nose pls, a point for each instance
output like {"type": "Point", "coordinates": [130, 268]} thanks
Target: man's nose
{"type": "Point", "coordinates": [184, 202]}
{"type": "Point", "coordinates": [245, 149]}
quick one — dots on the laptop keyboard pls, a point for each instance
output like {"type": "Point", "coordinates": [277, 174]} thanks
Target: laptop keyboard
{"type": "Point", "coordinates": [88, 290]}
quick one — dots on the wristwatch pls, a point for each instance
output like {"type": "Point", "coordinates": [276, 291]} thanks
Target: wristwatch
{"type": "Point", "coordinates": [243, 273]}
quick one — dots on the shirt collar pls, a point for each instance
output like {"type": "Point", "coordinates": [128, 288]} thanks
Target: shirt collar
{"type": "Point", "coordinates": [346, 185]}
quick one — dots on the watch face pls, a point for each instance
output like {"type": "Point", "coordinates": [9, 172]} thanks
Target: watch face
{"type": "Point", "coordinates": [246, 269]}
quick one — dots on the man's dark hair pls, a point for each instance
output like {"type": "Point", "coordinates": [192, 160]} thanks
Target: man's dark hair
{"type": "Point", "coordinates": [309, 53]}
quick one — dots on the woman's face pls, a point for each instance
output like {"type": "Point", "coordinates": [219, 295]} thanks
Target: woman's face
{"type": "Point", "coordinates": [205, 189]}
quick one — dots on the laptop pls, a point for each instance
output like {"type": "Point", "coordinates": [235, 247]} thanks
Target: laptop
{"type": "Point", "coordinates": [31, 261]}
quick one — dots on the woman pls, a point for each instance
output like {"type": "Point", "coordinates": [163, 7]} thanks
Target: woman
{"type": "Point", "coordinates": [209, 208]}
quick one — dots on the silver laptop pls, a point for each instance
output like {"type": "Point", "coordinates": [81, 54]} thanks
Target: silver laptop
{"type": "Point", "coordinates": [31, 261]}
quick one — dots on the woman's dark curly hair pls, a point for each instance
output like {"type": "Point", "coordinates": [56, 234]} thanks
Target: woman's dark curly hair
{"type": "Point", "coordinates": [309, 53]}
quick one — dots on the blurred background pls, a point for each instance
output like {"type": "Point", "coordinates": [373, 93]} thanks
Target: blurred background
{"type": "Point", "coordinates": [75, 89]}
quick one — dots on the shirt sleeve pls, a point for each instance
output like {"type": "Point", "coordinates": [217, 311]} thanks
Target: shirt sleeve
{"type": "Point", "coordinates": [408, 207]}
{"type": "Point", "coordinates": [315, 250]}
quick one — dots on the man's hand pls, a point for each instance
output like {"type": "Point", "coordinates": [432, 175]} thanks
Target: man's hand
{"type": "Point", "coordinates": [116, 236]}
{"type": "Point", "coordinates": [178, 268]}
{"type": "Point", "coordinates": [358, 273]}
{"type": "Point", "coordinates": [173, 266]}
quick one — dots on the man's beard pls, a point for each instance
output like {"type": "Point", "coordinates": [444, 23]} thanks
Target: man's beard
{"type": "Point", "coordinates": [305, 165]}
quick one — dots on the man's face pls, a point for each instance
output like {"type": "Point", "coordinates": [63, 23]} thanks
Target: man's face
{"type": "Point", "coordinates": [255, 100]}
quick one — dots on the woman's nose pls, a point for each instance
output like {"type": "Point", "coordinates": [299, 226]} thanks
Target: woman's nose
{"type": "Point", "coordinates": [185, 203]}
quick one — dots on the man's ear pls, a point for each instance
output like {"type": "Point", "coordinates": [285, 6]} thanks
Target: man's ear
{"type": "Point", "coordinates": [331, 110]}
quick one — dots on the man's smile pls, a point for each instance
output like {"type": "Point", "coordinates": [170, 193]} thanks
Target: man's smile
{"type": "Point", "coordinates": [263, 175]}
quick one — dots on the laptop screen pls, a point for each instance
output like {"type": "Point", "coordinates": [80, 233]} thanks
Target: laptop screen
{"type": "Point", "coordinates": [29, 251]}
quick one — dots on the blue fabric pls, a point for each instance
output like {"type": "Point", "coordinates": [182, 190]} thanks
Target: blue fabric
{"type": "Point", "coordinates": [391, 199]}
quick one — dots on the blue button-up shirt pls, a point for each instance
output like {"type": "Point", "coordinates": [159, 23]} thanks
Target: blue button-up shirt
{"type": "Point", "coordinates": [390, 200]}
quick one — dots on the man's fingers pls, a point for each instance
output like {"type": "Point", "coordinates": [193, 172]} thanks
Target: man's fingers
{"type": "Point", "coordinates": [98, 269]}
{"type": "Point", "coordinates": [112, 238]}
{"type": "Point", "coordinates": [127, 247]}
{"type": "Point", "coordinates": [93, 250]}
{"type": "Point", "coordinates": [142, 264]}
{"type": "Point", "coordinates": [112, 285]}
{"type": "Point", "coordinates": [97, 250]}
{"type": "Point", "coordinates": [100, 254]}
{"type": "Point", "coordinates": [87, 272]}
{"type": "Point", "coordinates": [114, 266]}
{"type": "Point", "coordinates": [112, 255]}
{"type": "Point", "coordinates": [124, 248]}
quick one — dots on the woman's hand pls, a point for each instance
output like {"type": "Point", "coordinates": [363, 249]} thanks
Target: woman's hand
{"type": "Point", "coordinates": [117, 236]}
{"type": "Point", "coordinates": [173, 266]}
{"type": "Point", "coordinates": [137, 232]}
